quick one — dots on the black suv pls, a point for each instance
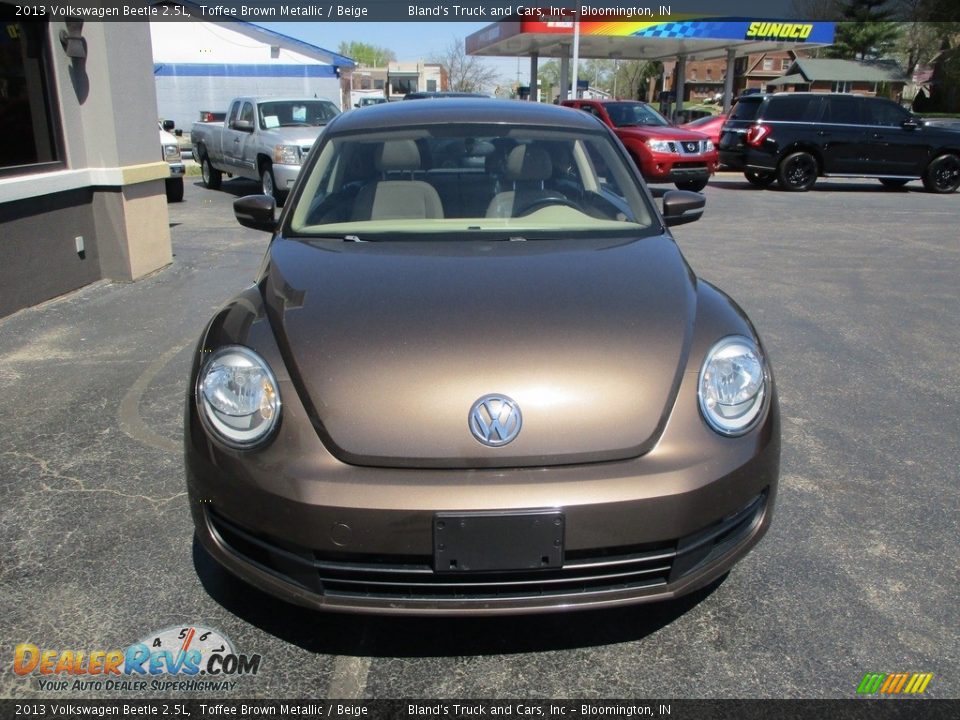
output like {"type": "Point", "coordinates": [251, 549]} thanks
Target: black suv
{"type": "Point", "coordinates": [794, 138]}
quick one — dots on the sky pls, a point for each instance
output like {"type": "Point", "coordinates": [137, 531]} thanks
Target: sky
{"type": "Point", "coordinates": [409, 41]}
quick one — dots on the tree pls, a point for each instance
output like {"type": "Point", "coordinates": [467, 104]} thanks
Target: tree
{"type": "Point", "coordinates": [633, 77]}
{"type": "Point", "coordinates": [918, 43]}
{"type": "Point", "coordinates": [599, 73]}
{"type": "Point", "coordinates": [926, 27]}
{"type": "Point", "coordinates": [816, 9]}
{"type": "Point", "coordinates": [366, 54]}
{"type": "Point", "coordinates": [466, 73]}
{"type": "Point", "coordinates": [548, 78]}
{"type": "Point", "coordinates": [866, 31]}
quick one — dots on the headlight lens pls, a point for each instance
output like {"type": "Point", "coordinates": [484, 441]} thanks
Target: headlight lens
{"type": "Point", "coordinates": [708, 145]}
{"type": "Point", "coordinates": [664, 146]}
{"type": "Point", "coordinates": [171, 152]}
{"type": "Point", "coordinates": [733, 385]}
{"type": "Point", "coordinates": [286, 154]}
{"type": "Point", "coordinates": [237, 397]}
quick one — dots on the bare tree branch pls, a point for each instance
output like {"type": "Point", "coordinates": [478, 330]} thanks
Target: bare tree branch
{"type": "Point", "coordinates": [466, 73]}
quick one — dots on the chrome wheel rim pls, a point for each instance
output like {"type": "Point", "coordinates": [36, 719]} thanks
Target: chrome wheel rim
{"type": "Point", "coordinates": [266, 182]}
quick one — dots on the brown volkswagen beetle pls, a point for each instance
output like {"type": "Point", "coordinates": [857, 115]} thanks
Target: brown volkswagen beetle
{"type": "Point", "coordinates": [476, 375]}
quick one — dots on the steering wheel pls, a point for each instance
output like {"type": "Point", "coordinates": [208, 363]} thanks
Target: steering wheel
{"type": "Point", "coordinates": [545, 202]}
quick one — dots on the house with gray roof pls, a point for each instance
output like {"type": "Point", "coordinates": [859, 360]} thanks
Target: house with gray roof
{"type": "Point", "coordinates": [850, 76]}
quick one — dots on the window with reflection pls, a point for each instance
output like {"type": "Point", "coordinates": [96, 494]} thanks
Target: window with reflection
{"type": "Point", "coordinates": [27, 108]}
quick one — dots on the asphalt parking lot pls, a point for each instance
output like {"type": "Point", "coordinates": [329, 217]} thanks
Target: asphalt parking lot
{"type": "Point", "coordinates": [853, 288]}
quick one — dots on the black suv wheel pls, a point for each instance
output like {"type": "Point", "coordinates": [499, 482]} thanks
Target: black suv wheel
{"type": "Point", "coordinates": [942, 174]}
{"type": "Point", "coordinates": [759, 178]}
{"type": "Point", "coordinates": [797, 172]}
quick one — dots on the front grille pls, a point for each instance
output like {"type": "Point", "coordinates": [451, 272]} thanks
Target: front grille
{"type": "Point", "coordinates": [692, 147]}
{"type": "Point", "coordinates": [399, 578]}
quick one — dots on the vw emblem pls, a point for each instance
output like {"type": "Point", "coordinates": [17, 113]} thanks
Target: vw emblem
{"type": "Point", "coordinates": [495, 420]}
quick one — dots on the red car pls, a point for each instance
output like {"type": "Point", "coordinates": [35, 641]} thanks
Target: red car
{"type": "Point", "coordinates": [663, 152]}
{"type": "Point", "coordinates": [709, 126]}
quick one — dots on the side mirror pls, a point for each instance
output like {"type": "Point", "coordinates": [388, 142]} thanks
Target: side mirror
{"type": "Point", "coordinates": [168, 125]}
{"type": "Point", "coordinates": [243, 125]}
{"type": "Point", "coordinates": [256, 211]}
{"type": "Point", "coordinates": [682, 206]}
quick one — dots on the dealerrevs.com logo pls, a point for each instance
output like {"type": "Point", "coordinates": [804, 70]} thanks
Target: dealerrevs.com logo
{"type": "Point", "coordinates": [192, 658]}
{"type": "Point", "coordinates": [903, 683]}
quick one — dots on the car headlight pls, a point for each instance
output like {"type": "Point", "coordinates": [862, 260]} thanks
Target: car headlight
{"type": "Point", "coordinates": [708, 145]}
{"type": "Point", "coordinates": [286, 154]}
{"type": "Point", "coordinates": [664, 146]}
{"type": "Point", "coordinates": [733, 385]}
{"type": "Point", "coordinates": [171, 152]}
{"type": "Point", "coordinates": [238, 397]}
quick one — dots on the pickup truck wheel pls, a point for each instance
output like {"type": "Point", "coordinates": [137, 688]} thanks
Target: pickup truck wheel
{"type": "Point", "coordinates": [797, 172]}
{"type": "Point", "coordinates": [210, 175]}
{"type": "Point", "coordinates": [694, 185]}
{"type": "Point", "coordinates": [268, 184]}
{"type": "Point", "coordinates": [759, 178]}
{"type": "Point", "coordinates": [174, 189]}
{"type": "Point", "coordinates": [942, 174]}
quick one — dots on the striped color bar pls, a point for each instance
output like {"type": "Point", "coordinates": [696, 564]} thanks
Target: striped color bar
{"type": "Point", "coordinates": [894, 683]}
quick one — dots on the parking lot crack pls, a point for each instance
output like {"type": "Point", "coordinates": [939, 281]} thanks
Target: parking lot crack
{"type": "Point", "coordinates": [53, 474]}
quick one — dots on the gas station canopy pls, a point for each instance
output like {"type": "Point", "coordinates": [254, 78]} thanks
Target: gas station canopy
{"type": "Point", "coordinates": [698, 39]}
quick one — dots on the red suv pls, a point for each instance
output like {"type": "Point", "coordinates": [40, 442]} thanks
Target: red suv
{"type": "Point", "coordinates": [663, 152]}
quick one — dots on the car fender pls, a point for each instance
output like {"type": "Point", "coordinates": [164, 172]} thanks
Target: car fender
{"type": "Point", "coordinates": [800, 146]}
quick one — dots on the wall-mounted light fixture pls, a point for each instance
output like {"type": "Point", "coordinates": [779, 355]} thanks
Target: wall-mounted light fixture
{"type": "Point", "coordinates": [72, 39]}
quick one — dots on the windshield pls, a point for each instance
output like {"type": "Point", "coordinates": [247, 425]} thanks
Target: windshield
{"type": "Point", "coordinates": [628, 114]}
{"type": "Point", "coordinates": [296, 113]}
{"type": "Point", "coordinates": [469, 181]}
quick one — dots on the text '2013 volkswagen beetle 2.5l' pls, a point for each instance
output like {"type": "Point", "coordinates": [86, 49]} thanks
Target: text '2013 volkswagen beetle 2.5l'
{"type": "Point", "coordinates": [476, 375]}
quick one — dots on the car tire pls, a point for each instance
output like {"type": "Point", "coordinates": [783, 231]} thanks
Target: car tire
{"type": "Point", "coordinates": [893, 183]}
{"type": "Point", "coordinates": [942, 174]}
{"type": "Point", "coordinates": [758, 178]}
{"type": "Point", "coordinates": [268, 184]}
{"type": "Point", "coordinates": [209, 174]}
{"type": "Point", "coordinates": [174, 189]}
{"type": "Point", "coordinates": [692, 185]}
{"type": "Point", "coordinates": [797, 172]}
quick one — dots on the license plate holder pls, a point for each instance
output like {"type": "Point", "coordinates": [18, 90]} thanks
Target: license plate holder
{"type": "Point", "coordinates": [495, 541]}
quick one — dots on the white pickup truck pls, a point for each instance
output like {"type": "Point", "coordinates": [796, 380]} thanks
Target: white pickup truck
{"type": "Point", "coordinates": [170, 148]}
{"type": "Point", "coordinates": [263, 139]}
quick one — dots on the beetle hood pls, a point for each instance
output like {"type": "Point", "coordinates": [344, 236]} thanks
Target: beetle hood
{"type": "Point", "coordinates": [391, 344]}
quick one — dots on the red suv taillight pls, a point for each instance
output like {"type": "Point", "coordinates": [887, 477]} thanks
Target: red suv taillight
{"type": "Point", "coordinates": [757, 134]}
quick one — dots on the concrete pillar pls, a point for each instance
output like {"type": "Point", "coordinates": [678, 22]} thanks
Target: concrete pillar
{"type": "Point", "coordinates": [681, 74]}
{"type": "Point", "coordinates": [728, 80]}
{"type": "Point", "coordinates": [534, 58]}
{"type": "Point", "coordinates": [576, 58]}
{"type": "Point", "coordinates": [564, 72]}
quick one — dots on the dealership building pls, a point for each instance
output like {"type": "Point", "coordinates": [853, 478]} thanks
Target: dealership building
{"type": "Point", "coordinates": [82, 194]}
{"type": "Point", "coordinates": [201, 66]}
